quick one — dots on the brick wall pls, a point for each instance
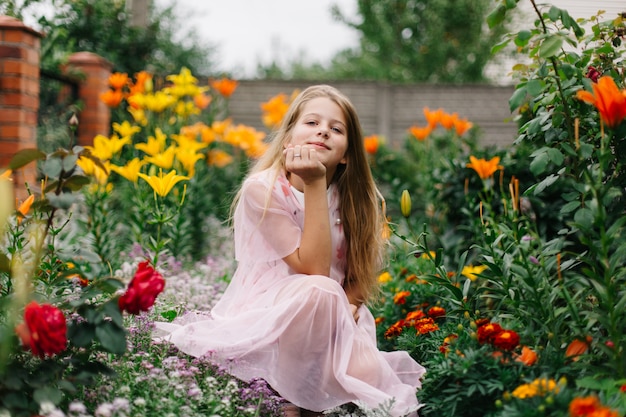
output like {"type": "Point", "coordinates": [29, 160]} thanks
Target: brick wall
{"type": "Point", "coordinates": [19, 93]}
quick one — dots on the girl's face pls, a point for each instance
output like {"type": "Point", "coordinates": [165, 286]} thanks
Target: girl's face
{"type": "Point", "coordinates": [322, 126]}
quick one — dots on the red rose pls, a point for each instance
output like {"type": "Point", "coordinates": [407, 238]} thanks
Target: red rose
{"type": "Point", "coordinates": [44, 330]}
{"type": "Point", "coordinates": [143, 289]}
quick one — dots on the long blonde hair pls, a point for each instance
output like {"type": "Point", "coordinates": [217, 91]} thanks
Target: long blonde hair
{"type": "Point", "coordinates": [361, 216]}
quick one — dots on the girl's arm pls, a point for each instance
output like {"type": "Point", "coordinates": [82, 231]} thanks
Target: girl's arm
{"type": "Point", "coordinates": [314, 254]}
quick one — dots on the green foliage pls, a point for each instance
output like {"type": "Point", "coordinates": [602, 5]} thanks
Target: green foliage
{"type": "Point", "coordinates": [104, 27]}
{"type": "Point", "coordinates": [418, 41]}
{"type": "Point", "coordinates": [37, 269]}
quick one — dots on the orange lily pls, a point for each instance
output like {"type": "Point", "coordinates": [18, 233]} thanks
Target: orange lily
{"type": "Point", "coordinates": [420, 133]}
{"type": "Point", "coordinates": [371, 144]}
{"type": "Point", "coordinates": [608, 99]}
{"type": "Point", "coordinates": [118, 80]}
{"type": "Point", "coordinates": [484, 168]}
{"type": "Point", "coordinates": [226, 87]}
{"type": "Point", "coordinates": [112, 98]}
{"type": "Point", "coordinates": [24, 208]}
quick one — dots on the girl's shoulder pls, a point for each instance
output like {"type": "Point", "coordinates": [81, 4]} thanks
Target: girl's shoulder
{"type": "Point", "coordinates": [268, 180]}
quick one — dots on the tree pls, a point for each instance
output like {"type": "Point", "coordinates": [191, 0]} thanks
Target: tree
{"type": "Point", "coordinates": [444, 41]}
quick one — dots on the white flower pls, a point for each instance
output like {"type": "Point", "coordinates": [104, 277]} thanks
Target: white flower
{"type": "Point", "coordinates": [77, 407]}
{"type": "Point", "coordinates": [104, 410]}
{"type": "Point", "coordinates": [139, 401]}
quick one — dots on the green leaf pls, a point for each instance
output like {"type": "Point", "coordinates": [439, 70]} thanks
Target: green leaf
{"type": "Point", "coordinates": [539, 163]}
{"type": "Point", "coordinates": [62, 201]}
{"type": "Point", "coordinates": [111, 308]}
{"type": "Point", "coordinates": [24, 157]}
{"type": "Point", "coordinates": [80, 334]}
{"type": "Point", "coordinates": [69, 162]}
{"type": "Point", "coordinates": [499, 46]}
{"type": "Point", "coordinates": [76, 182]}
{"type": "Point", "coordinates": [112, 337]}
{"type": "Point", "coordinates": [48, 394]}
{"type": "Point", "coordinates": [534, 87]}
{"type": "Point", "coordinates": [556, 156]}
{"type": "Point", "coordinates": [551, 46]}
{"type": "Point", "coordinates": [584, 218]}
{"type": "Point", "coordinates": [496, 16]}
{"type": "Point", "coordinates": [169, 315]}
{"type": "Point", "coordinates": [52, 168]}
{"type": "Point", "coordinates": [518, 98]}
{"type": "Point", "coordinates": [545, 183]}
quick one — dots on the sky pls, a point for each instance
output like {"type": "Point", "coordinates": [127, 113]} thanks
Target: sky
{"type": "Point", "coordinates": [246, 32]}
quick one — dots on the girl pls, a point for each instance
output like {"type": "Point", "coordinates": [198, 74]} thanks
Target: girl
{"type": "Point", "coordinates": [308, 243]}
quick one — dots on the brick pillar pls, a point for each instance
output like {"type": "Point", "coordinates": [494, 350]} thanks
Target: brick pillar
{"type": "Point", "coordinates": [19, 95]}
{"type": "Point", "coordinates": [95, 117]}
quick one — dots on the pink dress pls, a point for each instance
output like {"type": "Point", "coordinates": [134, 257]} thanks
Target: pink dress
{"type": "Point", "coordinates": [295, 331]}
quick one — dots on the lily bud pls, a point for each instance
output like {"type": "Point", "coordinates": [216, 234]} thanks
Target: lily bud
{"type": "Point", "coordinates": [405, 203]}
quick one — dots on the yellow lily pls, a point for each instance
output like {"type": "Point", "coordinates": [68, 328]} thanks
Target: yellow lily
{"type": "Point", "coordinates": [24, 208]}
{"type": "Point", "coordinates": [104, 148]}
{"type": "Point", "coordinates": [125, 129]}
{"type": "Point", "coordinates": [155, 144]}
{"type": "Point", "coordinates": [472, 272]}
{"type": "Point", "coordinates": [6, 174]}
{"type": "Point", "coordinates": [188, 159]}
{"type": "Point", "coordinates": [159, 101]}
{"type": "Point", "coordinates": [608, 99]}
{"type": "Point", "coordinates": [188, 142]}
{"type": "Point", "coordinates": [90, 168]}
{"type": "Point", "coordinates": [129, 171]}
{"type": "Point", "coordinates": [162, 185]}
{"type": "Point", "coordinates": [163, 160]}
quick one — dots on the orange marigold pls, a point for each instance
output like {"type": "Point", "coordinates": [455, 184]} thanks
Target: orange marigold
{"type": "Point", "coordinates": [528, 356]}
{"type": "Point", "coordinates": [400, 297]}
{"type": "Point", "coordinates": [436, 311]}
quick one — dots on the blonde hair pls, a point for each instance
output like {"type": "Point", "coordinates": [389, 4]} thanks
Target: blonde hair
{"type": "Point", "coordinates": [361, 215]}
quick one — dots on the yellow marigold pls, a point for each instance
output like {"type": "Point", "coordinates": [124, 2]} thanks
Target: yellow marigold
{"type": "Point", "coordinates": [384, 277]}
{"type": "Point", "coordinates": [539, 387]}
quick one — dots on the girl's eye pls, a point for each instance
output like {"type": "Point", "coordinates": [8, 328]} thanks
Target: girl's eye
{"type": "Point", "coordinates": [336, 129]}
{"type": "Point", "coordinates": [311, 122]}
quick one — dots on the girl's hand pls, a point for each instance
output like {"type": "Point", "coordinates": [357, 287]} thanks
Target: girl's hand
{"type": "Point", "coordinates": [303, 161]}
